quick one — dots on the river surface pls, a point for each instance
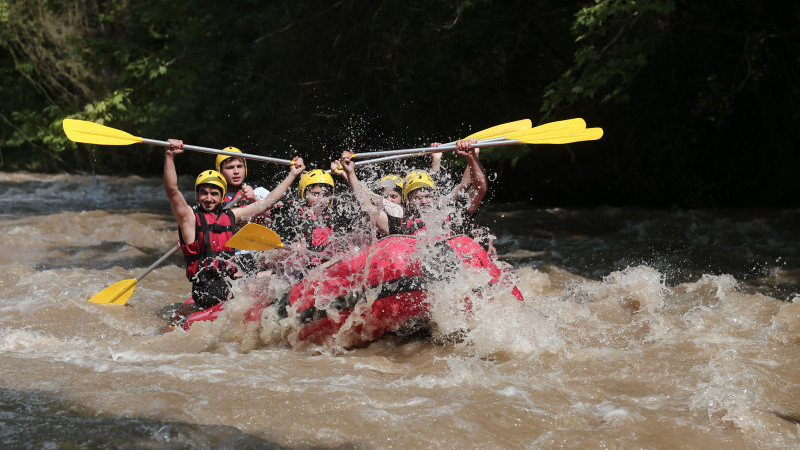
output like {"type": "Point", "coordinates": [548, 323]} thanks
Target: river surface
{"type": "Point", "coordinates": [640, 329]}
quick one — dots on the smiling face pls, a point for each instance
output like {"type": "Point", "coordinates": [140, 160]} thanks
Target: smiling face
{"type": "Point", "coordinates": [209, 196]}
{"type": "Point", "coordinates": [233, 170]}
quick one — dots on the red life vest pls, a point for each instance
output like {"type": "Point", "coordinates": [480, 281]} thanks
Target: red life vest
{"type": "Point", "coordinates": [208, 253]}
{"type": "Point", "coordinates": [261, 219]}
{"type": "Point", "coordinates": [242, 201]}
{"type": "Point", "coordinates": [316, 231]}
{"type": "Point", "coordinates": [410, 224]}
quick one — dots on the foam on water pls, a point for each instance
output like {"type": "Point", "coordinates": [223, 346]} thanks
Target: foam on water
{"type": "Point", "coordinates": [619, 351]}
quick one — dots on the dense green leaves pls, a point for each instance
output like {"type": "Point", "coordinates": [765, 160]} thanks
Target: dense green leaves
{"type": "Point", "coordinates": [691, 95]}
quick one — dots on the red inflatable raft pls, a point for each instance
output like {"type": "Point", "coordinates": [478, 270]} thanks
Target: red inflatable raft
{"type": "Point", "coordinates": [393, 272]}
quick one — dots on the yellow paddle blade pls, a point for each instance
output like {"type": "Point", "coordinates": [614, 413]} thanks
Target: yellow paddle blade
{"type": "Point", "coordinates": [255, 237]}
{"type": "Point", "coordinates": [94, 133]}
{"type": "Point", "coordinates": [501, 130]}
{"type": "Point", "coordinates": [566, 137]}
{"type": "Point", "coordinates": [118, 293]}
{"type": "Point", "coordinates": [556, 129]}
{"type": "Point", "coordinates": [560, 125]}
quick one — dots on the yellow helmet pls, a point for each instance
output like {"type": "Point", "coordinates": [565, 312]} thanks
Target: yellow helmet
{"type": "Point", "coordinates": [211, 177]}
{"type": "Point", "coordinates": [221, 159]}
{"type": "Point", "coordinates": [317, 176]}
{"type": "Point", "coordinates": [393, 181]}
{"type": "Point", "coordinates": [416, 179]}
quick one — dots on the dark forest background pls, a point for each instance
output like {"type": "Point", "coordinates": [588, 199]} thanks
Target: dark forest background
{"type": "Point", "coordinates": [700, 101]}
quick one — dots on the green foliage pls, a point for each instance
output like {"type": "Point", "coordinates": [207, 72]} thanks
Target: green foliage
{"type": "Point", "coordinates": [615, 39]}
{"type": "Point", "coordinates": [686, 91]}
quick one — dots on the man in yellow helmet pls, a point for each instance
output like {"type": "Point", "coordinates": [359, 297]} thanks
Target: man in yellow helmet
{"type": "Point", "coordinates": [420, 195]}
{"type": "Point", "coordinates": [310, 221]}
{"type": "Point", "coordinates": [204, 229]}
{"type": "Point", "coordinates": [238, 193]}
{"type": "Point", "coordinates": [234, 170]}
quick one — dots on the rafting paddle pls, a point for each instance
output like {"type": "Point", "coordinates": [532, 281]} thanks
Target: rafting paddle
{"type": "Point", "coordinates": [119, 292]}
{"type": "Point", "coordinates": [552, 130]}
{"type": "Point", "coordinates": [495, 132]}
{"type": "Point", "coordinates": [94, 133]}
{"type": "Point", "coordinates": [257, 237]}
{"type": "Point", "coordinates": [552, 135]}
{"type": "Point", "coordinates": [492, 133]}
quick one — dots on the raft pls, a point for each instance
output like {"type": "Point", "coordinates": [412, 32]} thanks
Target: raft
{"type": "Point", "coordinates": [205, 315]}
{"type": "Point", "coordinates": [392, 271]}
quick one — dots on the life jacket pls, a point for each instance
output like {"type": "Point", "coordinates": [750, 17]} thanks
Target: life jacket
{"type": "Point", "coordinates": [242, 201]}
{"type": "Point", "coordinates": [208, 255]}
{"type": "Point", "coordinates": [261, 219]}
{"type": "Point", "coordinates": [315, 230]}
{"type": "Point", "coordinates": [409, 224]}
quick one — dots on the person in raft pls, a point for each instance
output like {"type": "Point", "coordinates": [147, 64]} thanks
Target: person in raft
{"type": "Point", "coordinates": [238, 193]}
{"type": "Point", "coordinates": [419, 196]}
{"type": "Point", "coordinates": [387, 193]}
{"type": "Point", "coordinates": [234, 170]}
{"type": "Point", "coordinates": [203, 229]}
{"type": "Point", "coordinates": [310, 222]}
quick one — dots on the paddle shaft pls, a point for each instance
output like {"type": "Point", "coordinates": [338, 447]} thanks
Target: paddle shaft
{"type": "Point", "coordinates": [155, 264]}
{"type": "Point", "coordinates": [449, 145]}
{"type": "Point", "coordinates": [175, 249]}
{"type": "Point", "coordinates": [221, 152]}
{"type": "Point", "coordinates": [414, 152]}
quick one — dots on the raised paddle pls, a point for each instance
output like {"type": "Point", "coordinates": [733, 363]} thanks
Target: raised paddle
{"type": "Point", "coordinates": [589, 134]}
{"type": "Point", "coordinates": [532, 136]}
{"type": "Point", "coordinates": [94, 133]}
{"type": "Point", "coordinates": [255, 237]}
{"type": "Point", "coordinates": [119, 292]}
{"type": "Point", "coordinates": [495, 132]}
{"type": "Point", "coordinates": [550, 130]}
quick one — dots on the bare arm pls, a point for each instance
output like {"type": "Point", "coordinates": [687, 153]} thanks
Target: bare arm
{"type": "Point", "coordinates": [475, 173]}
{"type": "Point", "coordinates": [371, 204]}
{"type": "Point", "coordinates": [436, 163]}
{"type": "Point", "coordinates": [369, 201]}
{"type": "Point", "coordinates": [246, 212]}
{"type": "Point", "coordinates": [183, 213]}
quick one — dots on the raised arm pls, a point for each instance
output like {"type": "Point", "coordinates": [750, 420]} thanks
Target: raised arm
{"type": "Point", "coordinates": [474, 180]}
{"type": "Point", "coordinates": [183, 213]}
{"type": "Point", "coordinates": [436, 160]}
{"type": "Point", "coordinates": [246, 212]}
{"type": "Point", "coordinates": [478, 177]}
{"type": "Point", "coordinates": [370, 203]}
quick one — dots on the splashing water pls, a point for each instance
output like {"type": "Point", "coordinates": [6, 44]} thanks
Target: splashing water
{"type": "Point", "coordinates": [638, 329]}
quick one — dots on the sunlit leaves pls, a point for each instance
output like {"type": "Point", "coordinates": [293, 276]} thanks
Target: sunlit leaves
{"type": "Point", "coordinates": [615, 39]}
